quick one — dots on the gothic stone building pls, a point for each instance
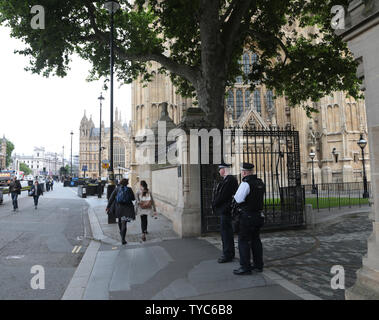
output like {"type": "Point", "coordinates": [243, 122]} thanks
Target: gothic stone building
{"type": "Point", "coordinates": [332, 133]}
{"type": "Point", "coordinates": [89, 147]}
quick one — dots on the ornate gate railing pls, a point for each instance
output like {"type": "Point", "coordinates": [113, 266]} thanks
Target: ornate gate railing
{"type": "Point", "coordinates": [276, 157]}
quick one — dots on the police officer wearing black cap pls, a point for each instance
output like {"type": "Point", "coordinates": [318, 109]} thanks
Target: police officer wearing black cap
{"type": "Point", "coordinates": [249, 199]}
{"type": "Point", "coordinates": [221, 204]}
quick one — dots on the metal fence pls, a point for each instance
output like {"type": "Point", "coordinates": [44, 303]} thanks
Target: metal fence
{"type": "Point", "coordinates": [336, 195]}
{"type": "Point", "coordinates": [276, 157]}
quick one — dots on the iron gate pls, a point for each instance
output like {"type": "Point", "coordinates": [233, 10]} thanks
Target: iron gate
{"type": "Point", "coordinates": [276, 157]}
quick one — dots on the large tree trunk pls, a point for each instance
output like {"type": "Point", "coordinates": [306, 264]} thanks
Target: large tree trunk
{"type": "Point", "coordinates": [211, 97]}
{"type": "Point", "coordinates": [211, 85]}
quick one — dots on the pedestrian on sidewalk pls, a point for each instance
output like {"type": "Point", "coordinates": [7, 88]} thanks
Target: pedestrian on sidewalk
{"type": "Point", "coordinates": [52, 184]}
{"type": "Point", "coordinates": [15, 190]}
{"type": "Point", "coordinates": [121, 201]}
{"type": "Point", "coordinates": [221, 205]}
{"type": "Point", "coordinates": [35, 192]}
{"type": "Point", "coordinates": [145, 206]}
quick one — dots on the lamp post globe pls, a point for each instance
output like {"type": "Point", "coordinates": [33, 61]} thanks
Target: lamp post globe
{"type": "Point", "coordinates": [362, 144]}
{"type": "Point", "coordinates": [112, 6]}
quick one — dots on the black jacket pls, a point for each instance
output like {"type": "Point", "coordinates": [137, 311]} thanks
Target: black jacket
{"type": "Point", "coordinates": [223, 196]}
{"type": "Point", "coordinates": [15, 187]}
{"type": "Point", "coordinates": [254, 201]}
{"type": "Point", "coordinates": [121, 210]}
{"type": "Point", "coordinates": [33, 190]}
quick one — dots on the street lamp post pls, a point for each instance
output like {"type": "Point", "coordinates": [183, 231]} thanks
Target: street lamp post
{"type": "Point", "coordinates": [312, 156]}
{"type": "Point", "coordinates": [112, 7]}
{"type": "Point", "coordinates": [101, 98]}
{"type": "Point", "coordinates": [362, 144]}
{"type": "Point", "coordinates": [71, 152]}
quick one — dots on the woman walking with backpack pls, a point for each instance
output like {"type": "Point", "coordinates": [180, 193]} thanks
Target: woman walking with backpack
{"type": "Point", "coordinates": [121, 201]}
{"type": "Point", "coordinates": [145, 206]}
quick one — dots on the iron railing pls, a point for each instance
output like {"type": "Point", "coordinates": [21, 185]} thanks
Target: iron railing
{"type": "Point", "coordinates": [275, 154]}
{"type": "Point", "coordinates": [336, 195]}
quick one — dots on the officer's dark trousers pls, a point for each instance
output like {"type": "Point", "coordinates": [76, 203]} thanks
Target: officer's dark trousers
{"type": "Point", "coordinates": [249, 239]}
{"type": "Point", "coordinates": [227, 236]}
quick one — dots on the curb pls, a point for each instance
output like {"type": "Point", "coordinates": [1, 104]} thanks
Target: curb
{"type": "Point", "coordinates": [278, 279]}
{"type": "Point", "coordinates": [79, 281]}
{"type": "Point", "coordinates": [295, 289]}
{"type": "Point", "coordinates": [97, 232]}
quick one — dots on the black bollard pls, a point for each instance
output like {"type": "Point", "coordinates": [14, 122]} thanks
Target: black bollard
{"type": "Point", "coordinates": [99, 190]}
{"type": "Point", "coordinates": [111, 215]}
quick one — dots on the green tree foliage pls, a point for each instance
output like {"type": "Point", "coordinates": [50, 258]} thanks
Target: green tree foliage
{"type": "Point", "coordinates": [198, 42]}
{"type": "Point", "coordinates": [24, 167]}
{"type": "Point", "coordinates": [64, 171]}
{"type": "Point", "coordinates": [10, 148]}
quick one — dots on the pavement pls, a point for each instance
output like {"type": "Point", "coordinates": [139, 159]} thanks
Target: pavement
{"type": "Point", "coordinates": [305, 257]}
{"type": "Point", "coordinates": [297, 262]}
{"type": "Point", "coordinates": [165, 267]}
{"type": "Point", "coordinates": [44, 237]}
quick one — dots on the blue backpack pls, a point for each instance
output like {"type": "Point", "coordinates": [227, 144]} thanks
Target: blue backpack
{"type": "Point", "coordinates": [123, 195]}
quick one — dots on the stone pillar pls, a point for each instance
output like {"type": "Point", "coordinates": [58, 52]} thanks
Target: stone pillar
{"type": "Point", "coordinates": [347, 173]}
{"type": "Point", "coordinates": [326, 174]}
{"type": "Point", "coordinates": [362, 36]}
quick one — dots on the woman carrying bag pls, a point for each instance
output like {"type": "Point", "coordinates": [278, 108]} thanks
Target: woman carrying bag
{"type": "Point", "coordinates": [121, 200]}
{"type": "Point", "coordinates": [145, 206]}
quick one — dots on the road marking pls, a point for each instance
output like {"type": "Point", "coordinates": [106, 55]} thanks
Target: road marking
{"type": "Point", "coordinates": [76, 249]}
{"type": "Point", "coordinates": [14, 257]}
{"type": "Point", "coordinates": [114, 248]}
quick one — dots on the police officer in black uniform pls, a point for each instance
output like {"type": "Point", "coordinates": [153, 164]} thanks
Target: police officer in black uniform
{"type": "Point", "coordinates": [249, 199]}
{"type": "Point", "coordinates": [221, 204]}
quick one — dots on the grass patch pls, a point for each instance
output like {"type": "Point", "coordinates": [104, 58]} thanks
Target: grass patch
{"type": "Point", "coordinates": [335, 202]}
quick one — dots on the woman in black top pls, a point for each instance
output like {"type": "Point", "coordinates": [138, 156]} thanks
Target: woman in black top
{"type": "Point", "coordinates": [121, 202]}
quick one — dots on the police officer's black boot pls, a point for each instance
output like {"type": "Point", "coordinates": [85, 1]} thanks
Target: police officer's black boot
{"type": "Point", "coordinates": [242, 271]}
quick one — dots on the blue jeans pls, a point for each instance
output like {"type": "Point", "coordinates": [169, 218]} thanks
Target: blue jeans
{"type": "Point", "coordinates": [14, 200]}
{"type": "Point", "coordinates": [36, 200]}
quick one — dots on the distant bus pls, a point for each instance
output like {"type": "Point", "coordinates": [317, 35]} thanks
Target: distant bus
{"type": "Point", "coordinates": [5, 178]}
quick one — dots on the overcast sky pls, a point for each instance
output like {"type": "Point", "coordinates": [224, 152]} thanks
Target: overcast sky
{"type": "Point", "coordinates": [35, 111]}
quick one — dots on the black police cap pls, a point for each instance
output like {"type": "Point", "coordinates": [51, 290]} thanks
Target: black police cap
{"type": "Point", "coordinates": [247, 166]}
{"type": "Point", "coordinates": [224, 165]}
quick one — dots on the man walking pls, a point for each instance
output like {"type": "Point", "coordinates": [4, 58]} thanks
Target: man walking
{"type": "Point", "coordinates": [36, 191]}
{"type": "Point", "coordinates": [221, 204]}
{"type": "Point", "coordinates": [15, 190]}
{"type": "Point", "coordinates": [249, 199]}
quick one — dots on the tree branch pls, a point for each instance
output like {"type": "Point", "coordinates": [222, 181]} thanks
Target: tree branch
{"type": "Point", "coordinates": [184, 71]}
{"type": "Point", "coordinates": [189, 73]}
{"type": "Point", "coordinates": [232, 26]}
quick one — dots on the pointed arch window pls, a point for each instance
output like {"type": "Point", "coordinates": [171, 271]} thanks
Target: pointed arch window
{"type": "Point", "coordinates": [254, 59]}
{"type": "Point", "coordinates": [247, 99]}
{"type": "Point", "coordinates": [231, 99]}
{"type": "Point", "coordinates": [270, 99]}
{"type": "Point", "coordinates": [257, 101]}
{"type": "Point", "coordinates": [246, 63]}
{"type": "Point", "coordinates": [239, 103]}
